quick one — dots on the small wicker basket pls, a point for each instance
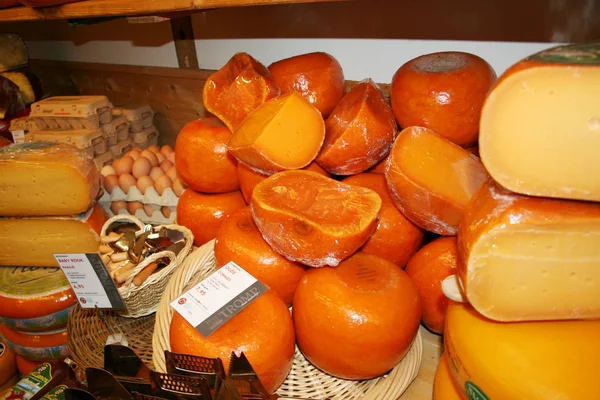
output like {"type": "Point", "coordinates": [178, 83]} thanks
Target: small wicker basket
{"type": "Point", "coordinates": [304, 381]}
{"type": "Point", "coordinates": [143, 300]}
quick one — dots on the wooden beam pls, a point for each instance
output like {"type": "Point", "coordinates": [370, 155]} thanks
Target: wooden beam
{"type": "Point", "coordinates": [183, 36]}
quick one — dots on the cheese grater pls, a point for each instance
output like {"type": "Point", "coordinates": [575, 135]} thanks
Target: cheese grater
{"type": "Point", "coordinates": [184, 364]}
{"type": "Point", "coordinates": [181, 386]}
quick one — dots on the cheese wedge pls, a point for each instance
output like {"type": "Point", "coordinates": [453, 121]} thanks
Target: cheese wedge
{"type": "Point", "coordinates": [527, 258]}
{"type": "Point", "coordinates": [526, 360]}
{"type": "Point", "coordinates": [284, 133]}
{"type": "Point", "coordinates": [44, 179]}
{"type": "Point", "coordinates": [32, 242]}
{"type": "Point", "coordinates": [540, 125]}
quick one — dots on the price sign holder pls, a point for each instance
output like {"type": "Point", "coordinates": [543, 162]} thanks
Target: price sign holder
{"type": "Point", "coordinates": [218, 298]}
{"type": "Point", "coordinates": [90, 281]}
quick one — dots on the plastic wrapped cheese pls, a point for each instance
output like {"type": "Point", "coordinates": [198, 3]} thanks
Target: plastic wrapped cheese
{"type": "Point", "coordinates": [525, 360]}
{"type": "Point", "coordinates": [34, 298]}
{"type": "Point", "coordinates": [540, 125]}
{"type": "Point", "coordinates": [39, 346]}
{"type": "Point", "coordinates": [527, 258]}
{"type": "Point", "coordinates": [45, 179]}
{"type": "Point", "coordinates": [33, 241]}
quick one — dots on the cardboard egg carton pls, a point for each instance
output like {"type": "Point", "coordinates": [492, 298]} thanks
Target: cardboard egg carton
{"type": "Point", "coordinates": [168, 198]}
{"type": "Point", "coordinates": [139, 116]}
{"type": "Point", "coordinates": [72, 112]}
{"type": "Point", "coordinates": [116, 130]}
{"type": "Point", "coordinates": [104, 159]}
{"type": "Point", "coordinates": [146, 137]}
{"type": "Point", "coordinates": [157, 216]}
{"type": "Point", "coordinates": [121, 147]}
{"type": "Point", "coordinates": [91, 141]}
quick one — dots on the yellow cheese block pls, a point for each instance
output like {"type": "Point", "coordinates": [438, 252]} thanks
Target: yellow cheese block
{"type": "Point", "coordinates": [444, 387]}
{"type": "Point", "coordinates": [43, 179]}
{"type": "Point", "coordinates": [540, 125]}
{"type": "Point", "coordinates": [522, 361]}
{"type": "Point", "coordinates": [284, 133]}
{"type": "Point", "coordinates": [32, 242]}
{"type": "Point", "coordinates": [526, 258]}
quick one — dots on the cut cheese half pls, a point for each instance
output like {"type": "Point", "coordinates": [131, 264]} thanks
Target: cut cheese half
{"type": "Point", "coordinates": [33, 292]}
{"type": "Point", "coordinates": [431, 179]}
{"type": "Point", "coordinates": [33, 241]}
{"type": "Point", "coordinates": [527, 258]}
{"type": "Point", "coordinates": [46, 179]}
{"type": "Point", "coordinates": [284, 133]}
{"type": "Point", "coordinates": [516, 361]}
{"type": "Point", "coordinates": [540, 126]}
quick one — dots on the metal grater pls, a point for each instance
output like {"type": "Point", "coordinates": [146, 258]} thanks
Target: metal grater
{"type": "Point", "coordinates": [182, 386]}
{"type": "Point", "coordinates": [184, 364]}
{"type": "Point", "coordinates": [121, 360]}
{"type": "Point", "coordinates": [244, 377]}
{"type": "Point", "coordinates": [102, 384]}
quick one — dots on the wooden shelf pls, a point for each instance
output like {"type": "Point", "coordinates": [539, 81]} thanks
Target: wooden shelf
{"type": "Point", "coordinates": [125, 8]}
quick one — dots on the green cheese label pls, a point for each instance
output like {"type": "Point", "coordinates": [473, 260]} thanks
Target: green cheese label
{"type": "Point", "coordinates": [27, 387]}
{"type": "Point", "coordinates": [58, 393]}
{"type": "Point", "coordinates": [574, 54]}
{"type": "Point", "coordinates": [25, 282]}
{"type": "Point", "coordinates": [474, 393]}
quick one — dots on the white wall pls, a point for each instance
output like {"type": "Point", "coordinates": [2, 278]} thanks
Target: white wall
{"type": "Point", "coordinates": [360, 58]}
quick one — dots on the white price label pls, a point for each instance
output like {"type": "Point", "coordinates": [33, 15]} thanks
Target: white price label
{"type": "Point", "coordinates": [18, 136]}
{"type": "Point", "coordinates": [90, 281]}
{"type": "Point", "coordinates": [218, 298]}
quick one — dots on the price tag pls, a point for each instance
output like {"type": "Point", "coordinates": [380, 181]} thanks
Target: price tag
{"type": "Point", "coordinates": [18, 136]}
{"type": "Point", "coordinates": [218, 298]}
{"type": "Point", "coordinates": [90, 281]}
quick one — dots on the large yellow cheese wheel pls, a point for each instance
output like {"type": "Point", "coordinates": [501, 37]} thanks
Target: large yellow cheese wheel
{"type": "Point", "coordinates": [522, 360]}
{"type": "Point", "coordinates": [444, 387]}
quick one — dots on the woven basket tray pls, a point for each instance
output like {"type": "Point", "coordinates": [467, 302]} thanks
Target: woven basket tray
{"type": "Point", "coordinates": [87, 333]}
{"type": "Point", "coordinates": [304, 380]}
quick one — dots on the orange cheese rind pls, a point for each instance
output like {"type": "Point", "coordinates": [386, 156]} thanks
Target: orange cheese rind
{"type": "Point", "coordinates": [313, 219]}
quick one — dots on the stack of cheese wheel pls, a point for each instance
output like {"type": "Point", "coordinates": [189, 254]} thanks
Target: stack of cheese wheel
{"type": "Point", "coordinates": [526, 321]}
{"type": "Point", "coordinates": [48, 208]}
{"type": "Point", "coordinates": [8, 367]}
{"type": "Point", "coordinates": [325, 195]}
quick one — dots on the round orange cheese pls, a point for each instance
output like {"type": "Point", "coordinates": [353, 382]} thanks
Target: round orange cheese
{"type": "Point", "coordinates": [8, 363]}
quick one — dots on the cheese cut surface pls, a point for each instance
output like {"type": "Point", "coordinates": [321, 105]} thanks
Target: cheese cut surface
{"type": "Point", "coordinates": [33, 292]}
{"type": "Point", "coordinates": [45, 179]}
{"type": "Point", "coordinates": [527, 258]}
{"type": "Point", "coordinates": [516, 361]}
{"type": "Point", "coordinates": [284, 133]}
{"type": "Point", "coordinates": [313, 219]}
{"type": "Point", "coordinates": [540, 126]}
{"type": "Point", "coordinates": [32, 242]}
{"type": "Point", "coordinates": [431, 179]}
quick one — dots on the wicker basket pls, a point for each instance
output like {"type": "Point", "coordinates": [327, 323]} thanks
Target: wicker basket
{"type": "Point", "coordinates": [143, 300]}
{"type": "Point", "coordinates": [304, 380]}
{"type": "Point", "coordinates": [88, 331]}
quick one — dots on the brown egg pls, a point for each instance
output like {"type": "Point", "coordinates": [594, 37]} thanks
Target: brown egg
{"type": "Point", "coordinates": [163, 183]}
{"type": "Point", "coordinates": [137, 148]}
{"type": "Point", "coordinates": [155, 172]}
{"type": "Point", "coordinates": [154, 148]}
{"type": "Point", "coordinates": [144, 182]}
{"type": "Point", "coordinates": [108, 170]}
{"type": "Point", "coordinates": [117, 206]}
{"type": "Point", "coordinates": [126, 182]}
{"type": "Point", "coordinates": [141, 167]}
{"type": "Point", "coordinates": [166, 211]}
{"type": "Point", "coordinates": [166, 165]}
{"type": "Point", "coordinates": [123, 165]}
{"type": "Point", "coordinates": [150, 156]}
{"type": "Point", "coordinates": [133, 154]}
{"type": "Point", "coordinates": [133, 206]}
{"type": "Point", "coordinates": [111, 182]}
{"type": "Point", "coordinates": [172, 173]}
{"type": "Point", "coordinates": [178, 187]}
{"type": "Point", "coordinates": [166, 150]}
{"type": "Point", "coordinates": [148, 210]}
{"type": "Point", "coordinates": [171, 157]}
{"type": "Point", "coordinates": [160, 157]}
